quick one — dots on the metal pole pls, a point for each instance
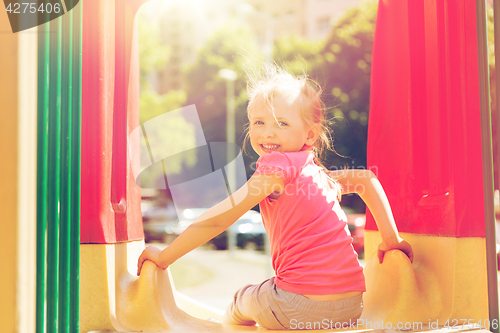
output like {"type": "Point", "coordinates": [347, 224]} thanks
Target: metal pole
{"type": "Point", "coordinates": [230, 76]}
{"type": "Point", "coordinates": [231, 170]}
{"type": "Point", "coordinates": [231, 133]}
{"type": "Point", "coordinates": [484, 96]}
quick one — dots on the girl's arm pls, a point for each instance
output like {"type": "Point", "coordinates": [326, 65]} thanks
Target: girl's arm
{"type": "Point", "coordinates": [368, 187]}
{"type": "Point", "coordinates": [214, 221]}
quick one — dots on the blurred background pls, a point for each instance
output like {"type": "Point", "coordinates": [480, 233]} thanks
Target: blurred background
{"type": "Point", "coordinates": [196, 52]}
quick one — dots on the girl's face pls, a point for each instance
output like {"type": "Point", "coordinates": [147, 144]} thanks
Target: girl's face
{"type": "Point", "coordinates": [285, 133]}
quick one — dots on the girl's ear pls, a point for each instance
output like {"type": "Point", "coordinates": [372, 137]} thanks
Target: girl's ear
{"type": "Point", "coordinates": [312, 136]}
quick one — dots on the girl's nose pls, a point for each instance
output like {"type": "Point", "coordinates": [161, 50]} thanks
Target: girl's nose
{"type": "Point", "coordinates": [267, 133]}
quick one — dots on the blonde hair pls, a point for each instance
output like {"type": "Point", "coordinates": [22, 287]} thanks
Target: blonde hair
{"type": "Point", "coordinates": [274, 81]}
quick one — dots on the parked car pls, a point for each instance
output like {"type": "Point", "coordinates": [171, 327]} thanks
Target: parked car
{"type": "Point", "coordinates": [356, 224]}
{"type": "Point", "coordinates": [249, 230]}
{"type": "Point", "coordinates": [159, 223]}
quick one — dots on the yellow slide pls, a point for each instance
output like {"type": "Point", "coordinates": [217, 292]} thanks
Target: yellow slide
{"type": "Point", "coordinates": [426, 295]}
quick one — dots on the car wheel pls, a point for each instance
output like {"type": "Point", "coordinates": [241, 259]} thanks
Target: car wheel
{"type": "Point", "coordinates": [211, 247]}
{"type": "Point", "coordinates": [251, 246]}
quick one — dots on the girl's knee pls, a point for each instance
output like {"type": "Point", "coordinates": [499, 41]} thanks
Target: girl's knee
{"type": "Point", "coordinates": [233, 317]}
{"type": "Point", "coordinates": [232, 320]}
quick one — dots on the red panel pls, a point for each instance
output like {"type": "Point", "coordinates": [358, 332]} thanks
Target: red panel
{"type": "Point", "coordinates": [125, 193]}
{"type": "Point", "coordinates": [98, 62]}
{"type": "Point", "coordinates": [424, 137]}
{"type": "Point", "coordinates": [110, 199]}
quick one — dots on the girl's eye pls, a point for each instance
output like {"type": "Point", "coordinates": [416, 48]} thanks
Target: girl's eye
{"type": "Point", "coordinates": [282, 123]}
{"type": "Point", "coordinates": [258, 122]}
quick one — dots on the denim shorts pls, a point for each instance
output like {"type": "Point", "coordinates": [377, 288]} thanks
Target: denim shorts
{"type": "Point", "coordinates": [274, 308]}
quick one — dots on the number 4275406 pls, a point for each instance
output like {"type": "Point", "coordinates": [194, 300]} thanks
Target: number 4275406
{"type": "Point", "coordinates": [28, 7]}
{"type": "Point", "coordinates": [470, 323]}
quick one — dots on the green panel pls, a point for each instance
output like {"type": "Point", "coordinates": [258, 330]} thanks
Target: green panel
{"type": "Point", "coordinates": [42, 141]}
{"type": "Point", "coordinates": [58, 173]}
{"type": "Point", "coordinates": [76, 47]}
{"type": "Point", "coordinates": [54, 177]}
{"type": "Point", "coordinates": [66, 174]}
{"type": "Point", "coordinates": [69, 249]}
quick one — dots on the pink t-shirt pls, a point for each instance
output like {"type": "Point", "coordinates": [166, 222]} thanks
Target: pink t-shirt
{"type": "Point", "coordinates": [311, 246]}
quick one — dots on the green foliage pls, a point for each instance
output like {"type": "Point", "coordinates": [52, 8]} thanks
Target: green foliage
{"type": "Point", "coordinates": [233, 47]}
{"type": "Point", "coordinates": [298, 54]}
{"type": "Point", "coordinates": [153, 55]}
{"type": "Point", "coordinates": [179, 133]}
{"type": "Point", "coordinates": [341, 65]}
{"type": "Point", "coordinates": [152, 104]}
{"type": "Point", "coordinates": [344, 75]}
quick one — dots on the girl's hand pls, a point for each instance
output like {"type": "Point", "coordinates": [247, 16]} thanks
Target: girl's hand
{"type": "Point", "coordinates": [401, 244]}
{"type": "Point", "coordinates": [151, 253]}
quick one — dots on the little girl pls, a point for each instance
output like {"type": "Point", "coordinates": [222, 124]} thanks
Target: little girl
{"type": "Point", "coordinates": [318, 276]}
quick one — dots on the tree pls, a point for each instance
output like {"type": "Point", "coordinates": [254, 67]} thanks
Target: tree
{"type": "Point", "coordinates": [233, 47]}
{"type": "Point", "coordinates": [344, 73]}
{"type": "Point", "coordinates": [298, 54]}
{"type": "Point", "coordinates": [153, 56]}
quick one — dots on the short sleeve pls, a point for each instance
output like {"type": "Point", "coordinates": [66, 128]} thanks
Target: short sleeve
{"type": "Point", "coordinates": [275, 163]}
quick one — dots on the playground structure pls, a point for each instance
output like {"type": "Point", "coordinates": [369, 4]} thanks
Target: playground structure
{"type": "Point", "coordinates": [425, 140]}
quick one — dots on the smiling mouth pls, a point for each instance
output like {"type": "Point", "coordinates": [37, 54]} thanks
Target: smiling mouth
{"type": "Point", "coordinates": [270, 147]}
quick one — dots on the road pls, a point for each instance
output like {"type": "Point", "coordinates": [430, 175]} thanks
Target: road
{"type": "Point", "coordinates": [230, 273]}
